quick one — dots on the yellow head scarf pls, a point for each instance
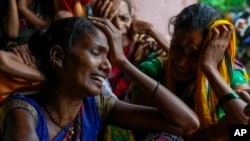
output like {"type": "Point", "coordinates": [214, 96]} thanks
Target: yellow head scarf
{"type": "Point", "coordinates": [205, 102]}
{"type": "Point", "coordinates": [205, 106]}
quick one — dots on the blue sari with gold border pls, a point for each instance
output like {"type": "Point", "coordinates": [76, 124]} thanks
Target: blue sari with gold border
{"type": "Point", "coordinates": [90, 123]}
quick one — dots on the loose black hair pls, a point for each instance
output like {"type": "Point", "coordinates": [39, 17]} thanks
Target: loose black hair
{"type": "Point", "coordinates": [194, 17]}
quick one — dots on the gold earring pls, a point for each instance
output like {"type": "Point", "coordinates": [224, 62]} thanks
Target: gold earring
{"type": "Point", "coordinates": [52, 62]}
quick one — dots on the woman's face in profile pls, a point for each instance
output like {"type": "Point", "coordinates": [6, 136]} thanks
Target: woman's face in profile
{"type": "Point", "coordinates": [87, 65]}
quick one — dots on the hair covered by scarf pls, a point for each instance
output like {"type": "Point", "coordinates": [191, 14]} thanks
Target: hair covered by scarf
{"type": "Point", "coordinates": [205, 100]}
{"type": "Point", "coordinates": [205, 103]}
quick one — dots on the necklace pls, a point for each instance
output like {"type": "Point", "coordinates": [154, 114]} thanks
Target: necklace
{"type": "Point", "coordinates": [46, 107]}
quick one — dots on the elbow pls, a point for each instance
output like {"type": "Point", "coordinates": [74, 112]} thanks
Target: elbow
{"type": "Point", "coordinates": [185, 128]}
{"type": "Point", "coordinates": [190, 127]}
{"type": "Point", "coordinates": [190, 124]}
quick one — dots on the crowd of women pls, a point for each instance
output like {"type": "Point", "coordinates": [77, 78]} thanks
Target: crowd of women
{"type": "Point", "coordinates": [88, 70]}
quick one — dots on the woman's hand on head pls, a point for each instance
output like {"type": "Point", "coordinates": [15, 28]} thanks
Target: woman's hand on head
{"type": "Point", "coordinates": [116, 54]}
{"type": "Point", "coordinates": [214, 48]}
{"type": "Point", "coordinates": [106, 8]}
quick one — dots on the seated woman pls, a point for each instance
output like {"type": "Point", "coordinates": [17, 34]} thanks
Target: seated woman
{"type": "Point", "coordinates": [201, 69]}
{"type": "Point", "coordinates": [73, 56]}
{"type": "Point", "coordinates": [141, 42]}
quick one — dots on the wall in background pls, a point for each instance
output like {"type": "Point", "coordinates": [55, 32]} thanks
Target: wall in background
{"type": "Point", "coordinates": [158, 12]}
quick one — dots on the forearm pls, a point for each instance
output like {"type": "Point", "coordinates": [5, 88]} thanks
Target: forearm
{"type": "Point", "coordinates": [163, 99]}
{"type": "Point", "coordinates": [10, 21]}
{"type": "Point", "coordinates": [32, 18]}
{"type": "Point", "coordinates": [164, 42]}
{"type": "Point", "coordinates": [234, 107]}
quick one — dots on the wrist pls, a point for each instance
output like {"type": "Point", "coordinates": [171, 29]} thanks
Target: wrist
{"type": "Point", "coordinates": [227, 97]}
{"type": "Point", "coordinates": [207, 67]}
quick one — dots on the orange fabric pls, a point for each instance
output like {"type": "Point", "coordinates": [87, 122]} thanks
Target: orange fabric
{"type": "Point", "coordinates": [205, 107]}
{"type": "Point", "coordinates": [9, 85]}
{"type": "Point", "coordinates": [205, 103]}
{"type": "Point", "coordinates": [75, 7]}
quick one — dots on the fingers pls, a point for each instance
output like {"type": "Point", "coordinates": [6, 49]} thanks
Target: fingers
{"type": "Point", "coordinates": [216, 45]}
{"type": "Point", "coordinates": [24, 52]}
{"type": "Point", "coordinates": [96, 7]}
{"type": "Point", "coordinates": [104, 21]}
{"type": "Point", "coordinates": [103, 7]}
{"type": "Point", "coordinates": [106, 10]}
{"type": "Point", "coordinates": [222, 31]}
{"type": "Point", "coordinates": [221, 36]}
{"type": "Point", "coordinates": [111, 15]}
{"type": "Point", "coordinates": [244, 94]}
{"type": "Point", "coordinates": [216, 33]}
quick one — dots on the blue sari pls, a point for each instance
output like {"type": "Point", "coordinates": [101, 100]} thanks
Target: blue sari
{"type": "Point", "coordinates": [90, 123]}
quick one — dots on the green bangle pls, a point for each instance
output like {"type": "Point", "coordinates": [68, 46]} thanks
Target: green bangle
{"type": "Point", "coordinates": [228, 97]}
{"type": "Point", "coordinates": [153, 94]}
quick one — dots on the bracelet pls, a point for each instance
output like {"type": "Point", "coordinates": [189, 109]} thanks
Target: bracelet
{"type": "Point", "coordinates": [152, 95]}
{"type": "Point", "coordinates": [228, 97]}
{"type": "Point", "coordinates": [11, 45]}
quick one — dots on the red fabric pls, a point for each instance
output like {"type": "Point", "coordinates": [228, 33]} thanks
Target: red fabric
{"type": "Point", "coordinates": [69, 4]}
{"type": "Point", "coordinates": [120, 82]}
{"type": "Point", "coordinates": [86, 1]}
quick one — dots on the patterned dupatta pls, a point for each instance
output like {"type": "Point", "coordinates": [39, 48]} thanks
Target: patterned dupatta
{"type": "Point", "coordinates": [205, 100]}
{"type": "Point", "coordinates": [119, 81]}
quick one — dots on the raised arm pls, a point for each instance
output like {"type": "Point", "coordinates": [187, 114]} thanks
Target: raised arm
{"type": "Point", "coordinates": [10, 20]}
{"type": "Point", "coordinates": [212, 54]}
{"type": "Point", "coordinates": [182, 119]}
{"type": "Point", "coordinates": [36, 21]}
{"type": "Point", "coordinates": [142, 27]}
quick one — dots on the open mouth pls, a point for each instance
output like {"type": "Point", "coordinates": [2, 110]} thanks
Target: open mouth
{"type": "Point", "coordinates": [178, 69]}
{"type": "Point", "coordinates": [98, 78]}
